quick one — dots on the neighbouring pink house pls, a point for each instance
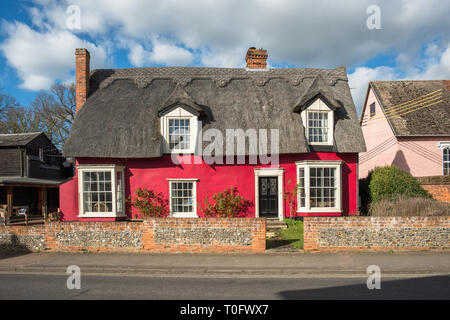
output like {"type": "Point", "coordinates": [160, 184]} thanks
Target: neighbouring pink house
{"type": "Point", "coordinates": [193, 132]}
{"type": "Point", "coordinates": [407, 124]}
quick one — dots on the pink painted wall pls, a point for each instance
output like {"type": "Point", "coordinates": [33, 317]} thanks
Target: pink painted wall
{"type": "Point", "coordinates": [420, 156]}
{"type": "Point", "coordinates": [416, 155]}
{"type": "Point", "coordinates": [153, 174]}
{"type": "Point", "coordinates": [380, 140]}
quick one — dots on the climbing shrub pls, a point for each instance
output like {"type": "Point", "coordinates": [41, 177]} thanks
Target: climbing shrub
{"type": "Point", "coordinates": [226, 204]}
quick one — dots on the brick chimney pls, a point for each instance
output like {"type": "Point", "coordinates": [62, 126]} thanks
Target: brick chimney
{"type": "Point", "coordinates": [447, 84]}
{"type": "Point", "coordinates": [256, 58]}
{"type": "Point", "coordinates": [82, 70]}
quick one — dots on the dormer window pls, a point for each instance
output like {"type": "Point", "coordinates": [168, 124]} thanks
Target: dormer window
{"type": "Point", "coordinates": [179, 134]}
{"type": "Point", "coordinates": [179, 130]}
{"type": "Point", "coordinates": [318, 120]}
{"type": "Point", "coordinates": [179, 122]}
{"type": "Point", "coordinates": [317, 127]}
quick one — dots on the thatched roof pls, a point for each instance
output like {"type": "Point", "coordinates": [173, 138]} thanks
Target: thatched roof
{"type": "Point", "coordinates": [18, 139]}
{"type": "Point", "coordinates": [415, 108]}
{"type": "Point", "coordinates": [121, 118]}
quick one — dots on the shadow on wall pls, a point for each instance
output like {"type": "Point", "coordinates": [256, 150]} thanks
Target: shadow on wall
{"type": "Point", "coordinates": [12, 248]}
{"type": "Point", "coordinates": [432, 288]}
{"type": "Point", "coordinates": [400, 162]}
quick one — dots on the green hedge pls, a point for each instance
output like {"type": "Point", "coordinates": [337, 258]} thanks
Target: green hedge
{"type": "Point", "coordinates": [390, 183]}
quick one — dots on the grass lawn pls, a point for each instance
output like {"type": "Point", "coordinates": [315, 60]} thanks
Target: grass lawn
{"type": "Point", "coordinates": [293, 233]}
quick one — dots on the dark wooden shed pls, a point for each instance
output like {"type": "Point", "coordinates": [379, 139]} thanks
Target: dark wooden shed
{"type": "Point", "coordinates": [31, 169]}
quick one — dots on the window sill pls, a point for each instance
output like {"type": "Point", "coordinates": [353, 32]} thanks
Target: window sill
{"type": "Point", "coordinates": [320, 144]}
{"type": "Point", "coordinates": [181, 152]}
{"type": "Point", "coordinates": [101, 215]}
{"type": "Point", "coordinates": [322, 210]}
{"type": "Point", "coordinates": [183, 215]}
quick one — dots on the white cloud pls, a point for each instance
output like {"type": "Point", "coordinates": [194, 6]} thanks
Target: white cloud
{"type": "Point", "coordinates": [168, 54]}
{"type": "Point", "coordinates": [302, 33]}
{"type": "Point", "coordinates": [217, 33]}
{"type": "Point", "coordinates": [161, 54]}
{"type": "Point", "coordinates": [434, 66]}
{"type": "Point", "coordinates": [359, 80]}
{"type": "Point", "coordinates": [41, 58]}
{"type": "Point", "coordinates": [137, 56]}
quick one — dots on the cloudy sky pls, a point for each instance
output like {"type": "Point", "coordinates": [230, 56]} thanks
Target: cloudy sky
{"type": "Point", "coordinates": [38, 38]}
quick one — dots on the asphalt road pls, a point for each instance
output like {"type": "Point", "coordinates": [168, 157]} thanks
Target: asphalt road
{"type": "Point", "coordinates": [122, 287]}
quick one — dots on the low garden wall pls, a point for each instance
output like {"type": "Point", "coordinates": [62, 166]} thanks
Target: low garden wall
{"type": "Point", "coordinates": [157, 235]}
{"type": "Point", "coordinates": [438, 187]}
{"type": "Point", "coordinates": [376, 233]}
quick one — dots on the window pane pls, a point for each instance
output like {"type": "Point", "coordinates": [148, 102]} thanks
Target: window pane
{"type": "Point", "coordinates": [179, 134]}
{"type": "Point", "coordinates": [97, 191]}
{"type": "Point", "coordinates": [322, 187]}
{"type": "Point", "coordinates": [446, 161]}
{"type": "Point", "coordinates": [182, 197]}
{"type": "Point", "coordinates": [318, 126]}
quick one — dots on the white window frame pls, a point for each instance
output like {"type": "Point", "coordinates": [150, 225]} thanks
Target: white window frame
{"type": "Point", "coordinates": [193, 214]}
{"type": "Point", "coordinates": [180, 114]}
{"type": "Point", "coordinates": [319, 106]}
{"type": "Point", "coordinates": [306, 165]}
{"type": "Point", "coordinates": [442, 146]}
{"type": "Point", "coordinates": [114, 169]}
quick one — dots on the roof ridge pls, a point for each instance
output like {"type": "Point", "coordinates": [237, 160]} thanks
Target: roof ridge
{"type": "Point", "coordinates": [18, 134]}
{"type": "Point", "coordinates": [221, 76]}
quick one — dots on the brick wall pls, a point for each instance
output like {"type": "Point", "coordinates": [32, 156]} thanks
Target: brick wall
{"type": "Point", "coordinates": [439, 192]}
{"type": "Point", "coordinates": [438, 187]}
{"type": "Point", "coordinates": [162, 235]}
{"type": "Point", "coordinates": [376, 233]}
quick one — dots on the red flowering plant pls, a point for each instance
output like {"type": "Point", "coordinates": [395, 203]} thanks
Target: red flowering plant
{"type": "Point", "coordinates": [226, 204]}
{"type": "Point", "coordinates": [291, 198]}
{"type": "Point", "coordinates": [150, 203]}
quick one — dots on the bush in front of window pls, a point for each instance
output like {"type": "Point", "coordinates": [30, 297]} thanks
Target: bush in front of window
{"type": "Point", "coordinates": [390, 183]}
{"type": "Point", "coordinates": [226, 204]}
{"type": "Point", "coordinates": [150, 203]}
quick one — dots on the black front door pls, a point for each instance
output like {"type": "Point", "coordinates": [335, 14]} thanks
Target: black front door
{"type": "Point", "coordinates": [268, 197]}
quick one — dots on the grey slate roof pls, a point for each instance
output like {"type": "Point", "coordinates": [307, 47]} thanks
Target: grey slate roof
{"type": "Point", "coordinates": [17, 140]}
{"type": "Point", "coordinates": [432, 118]}
{"type": "Point", "coordinates": [120, 119]}
{"type": "Point", "coordinates": [30, 181]}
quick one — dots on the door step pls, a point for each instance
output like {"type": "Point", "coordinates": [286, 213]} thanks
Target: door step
{"type": "Point", "coordinates": [273, 227]}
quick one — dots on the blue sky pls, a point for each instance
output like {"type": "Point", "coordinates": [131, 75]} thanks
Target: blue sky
{"type": "Point", "coordinates": [38, 38]}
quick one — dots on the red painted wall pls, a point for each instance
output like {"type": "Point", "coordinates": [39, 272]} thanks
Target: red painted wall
{"type": "Point", "coordinates": [153, 174]}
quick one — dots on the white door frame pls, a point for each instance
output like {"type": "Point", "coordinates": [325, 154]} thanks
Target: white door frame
{"type": "Point", "coordinates": [270, 172]}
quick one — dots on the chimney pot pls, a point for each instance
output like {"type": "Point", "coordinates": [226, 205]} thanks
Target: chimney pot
{"type": "Point", "coordinates": [82, 71]}
{"type": "Point", "coordinates": [447, 84]}
{"type": "Point", "coordinates": [256, 58]}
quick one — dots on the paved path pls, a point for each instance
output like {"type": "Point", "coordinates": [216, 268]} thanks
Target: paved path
{"type": "Point", "coordinates": [270, 265]}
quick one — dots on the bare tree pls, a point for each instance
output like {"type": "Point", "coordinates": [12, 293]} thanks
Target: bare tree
{"type": "Point", "coordinates": [51, 112]}
{"type": "Point", "coordinates": [56, 111]}
{"type": "Point", "coordinates": [6, 103]}
{"type": "Point", "coordinates": [19, 120]}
